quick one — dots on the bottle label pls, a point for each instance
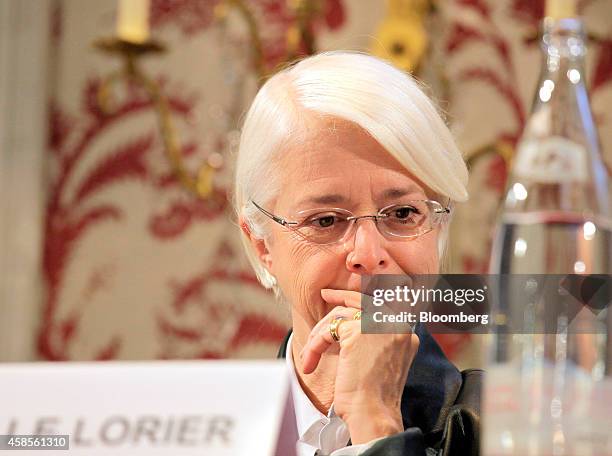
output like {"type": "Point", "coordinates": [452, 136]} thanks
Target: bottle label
{"type": "Point", "coordinates": [551, 160]}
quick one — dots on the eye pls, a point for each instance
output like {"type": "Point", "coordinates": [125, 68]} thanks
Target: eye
{"type": "Point", "coordinates": [403, 212]}
{"type": "Point", "coordinates": [326, 220]}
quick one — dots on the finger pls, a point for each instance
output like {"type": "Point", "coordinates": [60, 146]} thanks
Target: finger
{"type": "Point", "coordinates": [326, 320]}
{"type": "Point", "coordinates": [319, 344]}
{"type": "Point", "coordinates": [322, 327]}
{"type": "Point", "coordinates": [324, 323]}
{"type": "Point", "coordinates": [321, 341]}
{"type": "Point", "coordinates": [346, 298]}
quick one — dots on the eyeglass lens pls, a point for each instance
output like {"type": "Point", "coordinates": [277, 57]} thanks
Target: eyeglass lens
{"type": "Point", "coordinates": [405, 220]}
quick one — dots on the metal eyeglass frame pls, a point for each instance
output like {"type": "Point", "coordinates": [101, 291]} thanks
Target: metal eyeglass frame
{"type": "Point", "coordinates": [439, 211]}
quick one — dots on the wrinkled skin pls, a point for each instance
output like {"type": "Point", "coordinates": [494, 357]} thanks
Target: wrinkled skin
{"type": "Point", "coordinates": [362, 375]}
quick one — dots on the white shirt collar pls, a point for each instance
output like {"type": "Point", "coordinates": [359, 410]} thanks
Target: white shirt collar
{"type": "Point", "coordinates": [316, 431]}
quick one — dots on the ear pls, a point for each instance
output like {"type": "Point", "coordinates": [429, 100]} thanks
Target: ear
{"type": "Point", "coordinates": [259, 245]}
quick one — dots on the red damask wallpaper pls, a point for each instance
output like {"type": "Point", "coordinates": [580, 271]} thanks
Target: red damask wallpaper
{"type": "Point", "coordinates": [136, 268]}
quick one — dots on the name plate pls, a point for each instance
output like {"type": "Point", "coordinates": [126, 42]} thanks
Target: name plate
{"type": "Point", "coordinates": [155, 408]}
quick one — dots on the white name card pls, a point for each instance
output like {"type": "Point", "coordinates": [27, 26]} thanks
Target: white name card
{"type": "Point", "coordinates": [172, 408]}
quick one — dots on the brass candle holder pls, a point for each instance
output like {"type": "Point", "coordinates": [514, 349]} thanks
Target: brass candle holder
{"type": "Point", "coordinates": [201, 184]}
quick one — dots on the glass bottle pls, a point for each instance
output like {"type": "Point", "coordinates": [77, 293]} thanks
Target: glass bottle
{"type": "Point", "coordinates": [549, 392]}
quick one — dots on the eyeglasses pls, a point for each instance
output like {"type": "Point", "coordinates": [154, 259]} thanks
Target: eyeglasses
{"type": "Point", "coordinates": [328, 226]}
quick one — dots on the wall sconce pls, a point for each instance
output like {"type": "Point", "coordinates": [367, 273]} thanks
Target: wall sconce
{"type": "Point", "coordinates": [133, 42]}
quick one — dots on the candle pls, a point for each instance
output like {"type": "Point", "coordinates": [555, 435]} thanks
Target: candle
{"type": "Point", "coordinates": [558, 9]}
{"type": "Point", "coordinates": [133, 20]}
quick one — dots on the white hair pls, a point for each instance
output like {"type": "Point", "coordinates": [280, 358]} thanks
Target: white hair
{"type": "Point", "coordinates": [367, 91]}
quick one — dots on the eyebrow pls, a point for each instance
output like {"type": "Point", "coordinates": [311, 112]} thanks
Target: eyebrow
{"type": "Point", "coordinates": [390, 193]}
{"type": "Point", "coordinates": [324, 199]}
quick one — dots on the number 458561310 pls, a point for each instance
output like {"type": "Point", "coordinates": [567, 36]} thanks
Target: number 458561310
{"type": "Point", "coordinates": [34, 442]}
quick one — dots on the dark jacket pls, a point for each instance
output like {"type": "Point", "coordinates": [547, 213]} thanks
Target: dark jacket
{"type": "Point", "coordinates": [440, 406]}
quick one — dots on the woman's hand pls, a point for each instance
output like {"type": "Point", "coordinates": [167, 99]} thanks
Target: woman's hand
{"type": "Point", "coordinates": [372, 369]}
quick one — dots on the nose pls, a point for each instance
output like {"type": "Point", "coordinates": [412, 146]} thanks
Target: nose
{"type": "Point", "coordinates": [367, 254]}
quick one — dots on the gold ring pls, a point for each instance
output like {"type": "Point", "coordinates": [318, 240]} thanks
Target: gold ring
{"type": "Point", "coordinates": [333, 327]}
{"type": "Point", "coordinates": [357, 315]}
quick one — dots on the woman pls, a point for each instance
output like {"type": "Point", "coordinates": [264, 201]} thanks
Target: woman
{"type": "Point", "coordinates": [346, 169]}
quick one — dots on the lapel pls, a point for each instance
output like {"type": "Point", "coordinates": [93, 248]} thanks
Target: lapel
{"type": "Point", "coordinates": [282, 351]}
{"type": "Point", "coordinates": [431, 387]}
